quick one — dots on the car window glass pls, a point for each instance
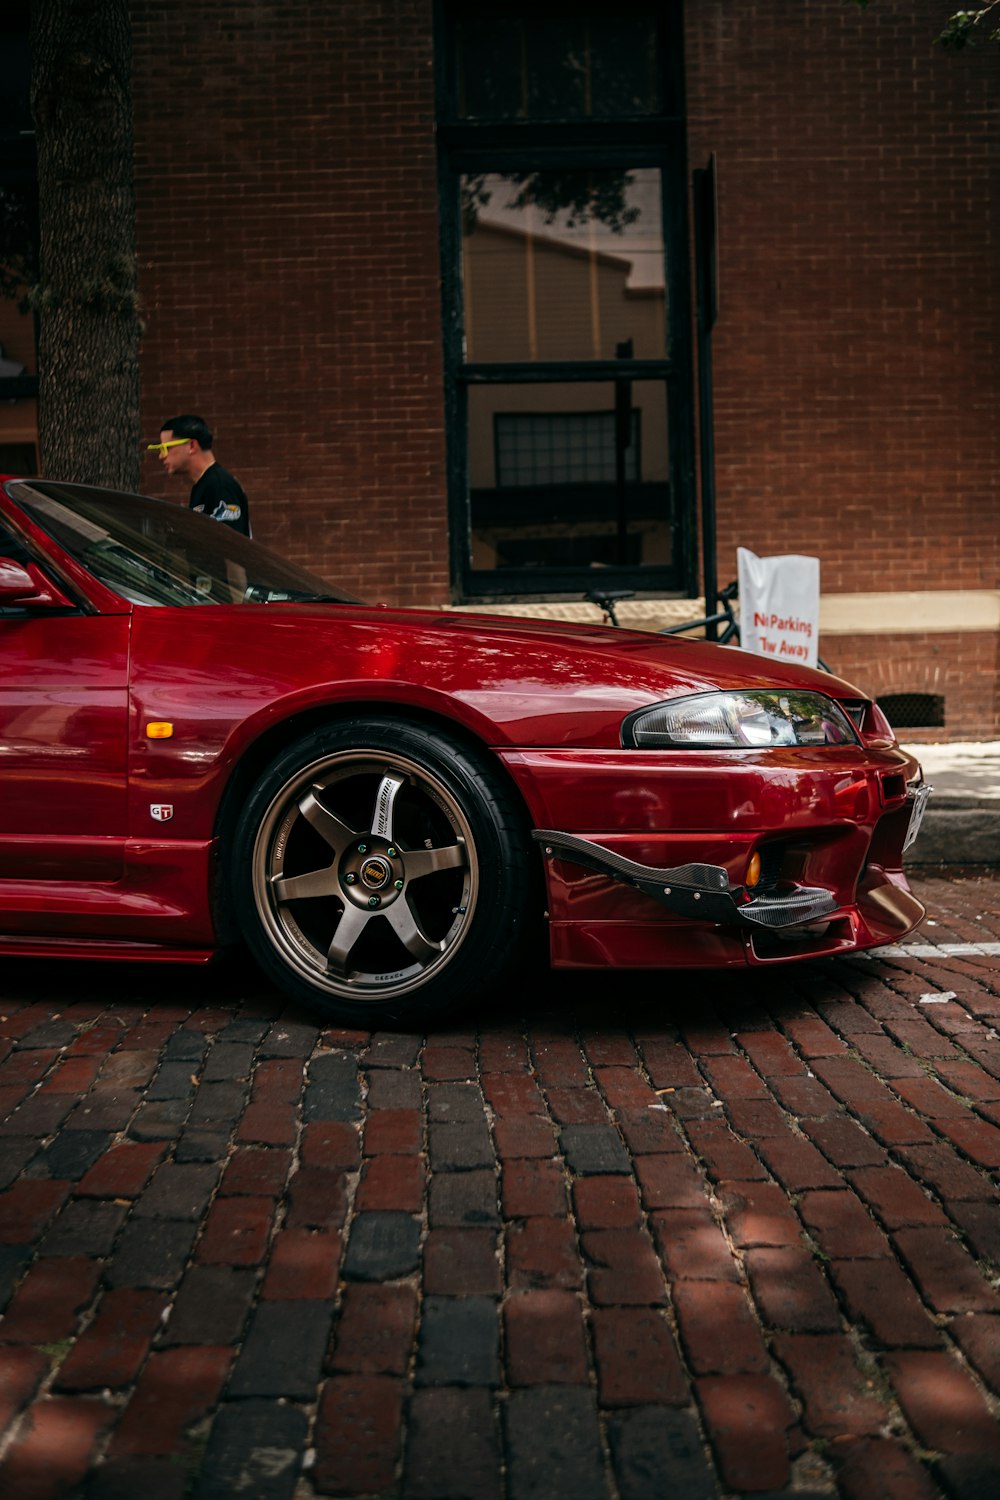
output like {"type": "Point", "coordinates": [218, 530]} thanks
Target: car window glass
{"type": "Point", "coordinates": [153, 552]}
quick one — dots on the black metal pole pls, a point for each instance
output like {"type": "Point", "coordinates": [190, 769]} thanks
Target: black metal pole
{"type": "Point", "coordinates": [706, 295]}
{"type": "Point", "coordinates": [623, 440]}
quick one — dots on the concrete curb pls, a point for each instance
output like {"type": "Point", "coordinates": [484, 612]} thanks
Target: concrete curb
{"type": "Point", "coordinates": [962, 823]}
{"type": "Point", "coordinates": [957, 835]}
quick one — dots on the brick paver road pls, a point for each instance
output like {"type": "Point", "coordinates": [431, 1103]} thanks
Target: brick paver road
{"type": "Point", "coordinates": [627, 1236]}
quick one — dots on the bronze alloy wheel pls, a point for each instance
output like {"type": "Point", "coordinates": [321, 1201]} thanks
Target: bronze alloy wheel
{"type": "Point", "coordinates": [371, 868]}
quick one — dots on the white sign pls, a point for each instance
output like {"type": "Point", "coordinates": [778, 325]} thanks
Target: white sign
{"type": "Point", "coordinates": [779, 606]}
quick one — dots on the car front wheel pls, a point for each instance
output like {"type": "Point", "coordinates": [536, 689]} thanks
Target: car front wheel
{"type": "Point", "coordinates": [381, 871]}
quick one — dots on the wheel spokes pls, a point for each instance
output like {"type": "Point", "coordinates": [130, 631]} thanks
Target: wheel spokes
{"type": "Point", "coordinates": [302, 887]}
{"type": "Point", "coordinates": [385, 807]}
{"type": "Point", "coordinates": [355, 841]}
{"type": "Point", "coordinates": [329, 827]}
{"type": "Point", "coordinates": [404, 924]}
{"type": "Point", "coordinates": [428, 861]}
{"type": "Point", "coordinates": [350, 927]}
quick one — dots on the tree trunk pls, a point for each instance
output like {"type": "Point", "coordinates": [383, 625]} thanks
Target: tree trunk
{"type": "Point", "coordinates": [86, 299]}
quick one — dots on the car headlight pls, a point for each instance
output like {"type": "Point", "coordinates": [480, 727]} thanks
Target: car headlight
{"type": "Point", "coordinates": [752, 720]}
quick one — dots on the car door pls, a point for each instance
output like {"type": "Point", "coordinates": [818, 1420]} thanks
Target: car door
{"type": "Point", "coordinates": [63, 743]}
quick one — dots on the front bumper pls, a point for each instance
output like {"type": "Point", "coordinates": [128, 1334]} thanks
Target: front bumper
{"type": "Point", "coordinates": [705, 891]}
{"type": "Point", "coordinates": [650, 854]}
{"type": "Point", "coordinates": [695, 890]}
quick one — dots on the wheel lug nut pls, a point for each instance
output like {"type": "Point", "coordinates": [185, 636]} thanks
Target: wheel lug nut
{"type": "Point", "coordinates": [362, 848]}
{"type": "Point", "coordinates": [398, 884]}
{"type": "Point", "coordinates": [373, 901]}
{"type": "Point", "coordinates": [391, 852]}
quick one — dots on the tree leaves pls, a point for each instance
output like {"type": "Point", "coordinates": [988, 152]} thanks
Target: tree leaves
{"type": "Point", "coordinates": [963, 28]}
{"type": "Point", "coordinates": [961, 31]}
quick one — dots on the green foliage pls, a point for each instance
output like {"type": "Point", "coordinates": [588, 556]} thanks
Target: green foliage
{"type": "Point", "coordinates": [960, 30]}
{"type": "Point", "coordinates": [963, 28]}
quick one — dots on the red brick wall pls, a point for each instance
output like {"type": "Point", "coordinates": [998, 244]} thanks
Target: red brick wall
{"type": "Point", "coordinates": [287, 228]}
{"type": "Point", "coordinates": [288, 241]}
{"type": "Point", "coordinates": [855, 357]}
{"type": "Point", "coordinates": [963, 667]}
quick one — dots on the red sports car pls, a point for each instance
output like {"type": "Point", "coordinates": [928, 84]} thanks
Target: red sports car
{"type": "Point", "coordinates": [200, 742]}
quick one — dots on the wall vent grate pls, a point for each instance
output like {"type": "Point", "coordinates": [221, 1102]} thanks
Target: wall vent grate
{"type": "Point", "coordinates": [913, 710]}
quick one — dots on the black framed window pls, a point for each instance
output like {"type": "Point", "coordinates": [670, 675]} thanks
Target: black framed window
{"type": "Point", "coordinates": [566, 297]}
{"type": "Point", "coordinates": [556, 62]}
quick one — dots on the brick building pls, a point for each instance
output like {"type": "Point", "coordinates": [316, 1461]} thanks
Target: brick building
{"type": "Point", "coordinates": [430, 269]}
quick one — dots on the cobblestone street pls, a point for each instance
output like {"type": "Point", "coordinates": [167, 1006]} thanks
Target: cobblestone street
{"type": "Point", "coordinates": [625, 1236]}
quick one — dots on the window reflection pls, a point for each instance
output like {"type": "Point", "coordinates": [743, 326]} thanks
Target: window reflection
{"type": "Point", "coordinates": [570, 475]}
{"type": "Point", "coordinates": [563, 265]}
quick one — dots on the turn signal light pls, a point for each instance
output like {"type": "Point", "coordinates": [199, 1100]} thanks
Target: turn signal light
{"type": "Point", "coordinates": [159, 730]}
{"type": "Point", "coordinates": [753, 870]}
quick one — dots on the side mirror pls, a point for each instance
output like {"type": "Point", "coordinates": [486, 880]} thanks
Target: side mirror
{"type": "Point", "coordinates": [28, 587]}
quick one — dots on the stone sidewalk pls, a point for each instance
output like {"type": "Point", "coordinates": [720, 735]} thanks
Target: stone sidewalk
{"type": "Point", "coordinates": [628, 1236]}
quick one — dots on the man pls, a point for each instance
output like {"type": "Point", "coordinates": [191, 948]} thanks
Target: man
{"type": "Point", "coordinates": [185, 448]}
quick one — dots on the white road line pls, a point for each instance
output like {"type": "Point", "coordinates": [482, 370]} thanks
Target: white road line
{"type": "Point", "coordinates": [938, 950]}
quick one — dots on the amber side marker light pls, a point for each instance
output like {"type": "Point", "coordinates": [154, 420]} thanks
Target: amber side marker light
{"type": "Point", "coordinates": [159, 731]}
{"type": "Point", "coordinates": [753, 870]}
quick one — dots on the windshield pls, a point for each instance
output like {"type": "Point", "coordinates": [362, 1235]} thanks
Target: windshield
{"type": "Point", "coordinates": [153, 552]}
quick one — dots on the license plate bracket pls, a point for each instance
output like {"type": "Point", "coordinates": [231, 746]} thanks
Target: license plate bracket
{"type": "Point", "coordinates": [917, 796]}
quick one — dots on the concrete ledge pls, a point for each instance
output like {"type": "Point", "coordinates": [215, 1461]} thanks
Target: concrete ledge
{"type": "Point", "coordinates": [952, 835]}
{"type": "Point", "coordinates": [904, 613]}
{"type": "Point", "coordinates": [910, 613]}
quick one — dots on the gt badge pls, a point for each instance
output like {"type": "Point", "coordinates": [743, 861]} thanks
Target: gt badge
{"type": "Point", "coordinates": [161, 811]}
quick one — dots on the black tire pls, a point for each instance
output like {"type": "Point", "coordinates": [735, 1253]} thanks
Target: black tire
{"type": "Point", "coordinates": [381, 872]}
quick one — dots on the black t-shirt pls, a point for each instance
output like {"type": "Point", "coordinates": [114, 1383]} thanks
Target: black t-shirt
{"type": "Point", "coordinates": [219, 495]}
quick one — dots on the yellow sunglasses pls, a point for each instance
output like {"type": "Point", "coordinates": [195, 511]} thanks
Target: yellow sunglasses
{"type": "Point", "coordinates": [161, 448]}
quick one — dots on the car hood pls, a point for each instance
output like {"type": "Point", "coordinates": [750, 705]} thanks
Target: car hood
{"type": "Point", "coordinates": [511, 681]}
{"type": "Point", "coordinates": [702, 661]}
{"type": "Point", "coordinates": [675, 664]}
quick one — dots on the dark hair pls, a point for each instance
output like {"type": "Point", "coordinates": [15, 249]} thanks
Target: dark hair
{"type": "Point", "coordinates": [195, 428]}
